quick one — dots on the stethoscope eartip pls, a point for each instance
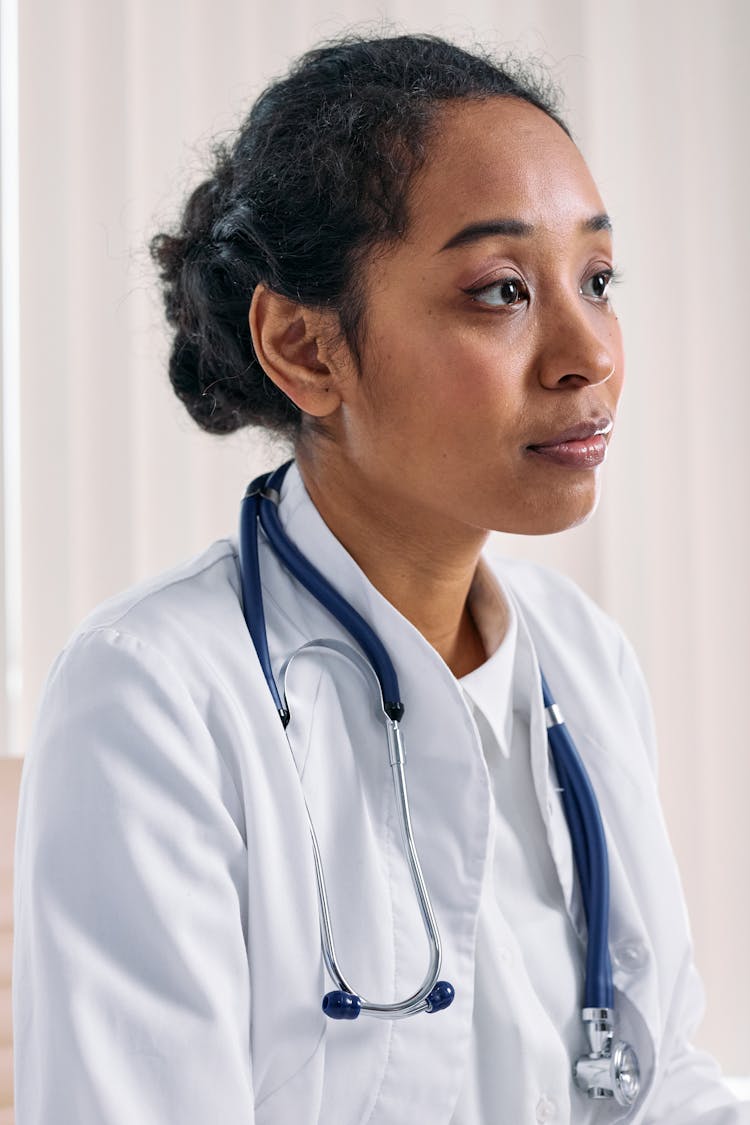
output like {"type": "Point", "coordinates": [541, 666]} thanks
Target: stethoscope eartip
{"type": "Point", "coordinates": [342, 1005]}
{"type": "Point", "coordinates": [441, 996]}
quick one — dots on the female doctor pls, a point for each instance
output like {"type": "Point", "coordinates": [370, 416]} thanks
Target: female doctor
{"type": "Point", "coordinates": [402, 265]}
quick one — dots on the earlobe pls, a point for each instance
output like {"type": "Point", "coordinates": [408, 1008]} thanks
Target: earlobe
{"type": "Point", "coordinates": [290, 342]}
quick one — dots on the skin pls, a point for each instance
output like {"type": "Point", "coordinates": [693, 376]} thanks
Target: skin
{"type": "Point", "coordinates": [431, 433]}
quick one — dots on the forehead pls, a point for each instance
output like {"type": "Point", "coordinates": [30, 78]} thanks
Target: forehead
{"type": "Point", "coordinates": [500, 158]}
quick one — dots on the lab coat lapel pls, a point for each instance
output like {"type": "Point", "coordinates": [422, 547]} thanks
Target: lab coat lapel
{"type": "Point", "coordinates": [613, 755]}
{"type": "Point", "coordinates": [545, 782]}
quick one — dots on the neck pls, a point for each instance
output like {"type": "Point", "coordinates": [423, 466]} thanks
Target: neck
{"type": "Point", "coordinates": [421, 562]}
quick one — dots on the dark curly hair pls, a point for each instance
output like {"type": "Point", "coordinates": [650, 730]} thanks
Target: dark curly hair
{"type": "Point", "coordinates": [317, 176]}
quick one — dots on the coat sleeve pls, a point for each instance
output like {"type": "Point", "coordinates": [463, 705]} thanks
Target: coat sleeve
{"type": "Point", "coordinates": [130, 979]}
{"type": "Point", "coordinates": [688, 1088]}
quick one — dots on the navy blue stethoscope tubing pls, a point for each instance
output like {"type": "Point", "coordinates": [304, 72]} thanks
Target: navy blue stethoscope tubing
{"type": "Point", "coordinates": [590, 854]}
{"type": "Point", "coordinates": [579, 801]}
{"type": "Point", "coordinates": [304, 571]}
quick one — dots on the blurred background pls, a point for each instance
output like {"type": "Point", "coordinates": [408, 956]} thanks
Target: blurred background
{"type": "Point", "coordinates": [108, 112]}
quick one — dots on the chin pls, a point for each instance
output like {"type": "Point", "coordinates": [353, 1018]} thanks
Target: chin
{"type": "Point", "coordinates": [577, 514]}
{"type": "Point", "coordinates": [554, 513]}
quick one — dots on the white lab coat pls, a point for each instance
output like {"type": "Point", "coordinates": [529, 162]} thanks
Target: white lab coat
{"type": "Point", "coordinates": [167, 962]}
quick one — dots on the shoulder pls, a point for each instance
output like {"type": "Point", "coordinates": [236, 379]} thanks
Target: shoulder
{"type": "Point", "coordinates": [179, 628]}
{"type": "Point", "coordinates": [178, 615]}
{"type": "Point", "coordinates": [140, 686]}
{"type": "Point", "coordinates": [177, 595]}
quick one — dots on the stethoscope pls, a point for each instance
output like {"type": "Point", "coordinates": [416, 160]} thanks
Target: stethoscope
{"type": "Point", "coordinates": [610, 1069]}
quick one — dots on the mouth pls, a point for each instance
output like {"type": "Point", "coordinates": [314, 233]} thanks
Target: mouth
{"type": "Point", "coordinates": [583, 446]}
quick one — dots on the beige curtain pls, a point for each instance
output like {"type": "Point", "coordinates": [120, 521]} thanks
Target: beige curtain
{"type": "Point", "coordinates": [118, 102]}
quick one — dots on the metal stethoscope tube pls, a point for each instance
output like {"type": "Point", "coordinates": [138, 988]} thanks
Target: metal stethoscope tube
{"type": "Point", "coordinates": [346, 1002]}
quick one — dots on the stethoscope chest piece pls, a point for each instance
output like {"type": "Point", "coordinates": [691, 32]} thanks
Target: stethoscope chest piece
{"type": "Point", "coordinates": [610, 1070]}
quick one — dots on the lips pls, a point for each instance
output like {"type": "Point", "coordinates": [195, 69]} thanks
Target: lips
{"type": "Point", "coordinates": [579, 432]}
{"type": "Point", "coordinates": [580, 447]}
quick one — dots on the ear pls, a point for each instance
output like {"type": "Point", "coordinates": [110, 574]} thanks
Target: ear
{"type": "Point", "coordinates": [294, 347]}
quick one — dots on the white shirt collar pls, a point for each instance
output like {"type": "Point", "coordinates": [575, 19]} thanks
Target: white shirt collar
{"type": "Point", "coordinates": [491, 686]}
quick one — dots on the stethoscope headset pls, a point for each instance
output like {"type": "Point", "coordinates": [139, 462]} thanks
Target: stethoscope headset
{"type": "Point", "coordinates": [610, 1069]}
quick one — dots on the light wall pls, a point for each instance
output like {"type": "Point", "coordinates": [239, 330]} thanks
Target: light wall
{"type": "Point", "coordinates": [118, 103]}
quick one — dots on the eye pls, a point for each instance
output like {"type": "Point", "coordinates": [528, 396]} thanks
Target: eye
{"type": "Point", "coordinates": [598, 284]}
{"type": "Point", "coordinates": [500, 294]}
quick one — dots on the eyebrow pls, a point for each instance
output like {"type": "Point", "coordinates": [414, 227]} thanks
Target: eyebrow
{"type": "Point", "coordinates": [515, 228]}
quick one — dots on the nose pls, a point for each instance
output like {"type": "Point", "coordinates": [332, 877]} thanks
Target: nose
{"type": "Point", "coordinates": [579, 345]}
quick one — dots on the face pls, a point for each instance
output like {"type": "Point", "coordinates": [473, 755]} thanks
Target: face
{"type": "Point", "coordinates": [489, 331]}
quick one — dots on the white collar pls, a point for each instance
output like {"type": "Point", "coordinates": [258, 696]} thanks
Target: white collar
{"type": "Point", "coordinates": [491, 686]}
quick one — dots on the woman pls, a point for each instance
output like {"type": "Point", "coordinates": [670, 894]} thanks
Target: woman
{"type": "Point", "coordinates": [403, 266]}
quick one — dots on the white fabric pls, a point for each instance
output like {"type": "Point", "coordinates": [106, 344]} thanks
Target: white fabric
{"type": "Point", "coordinates": [167, 963]}
{"type": "Point", "coordinates": [521, 994]}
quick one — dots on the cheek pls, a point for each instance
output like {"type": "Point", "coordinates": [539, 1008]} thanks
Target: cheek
{"type": "Point", "coordinates": [439, 374]}
{"type": "Point", "coordinates": [481, 385]}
